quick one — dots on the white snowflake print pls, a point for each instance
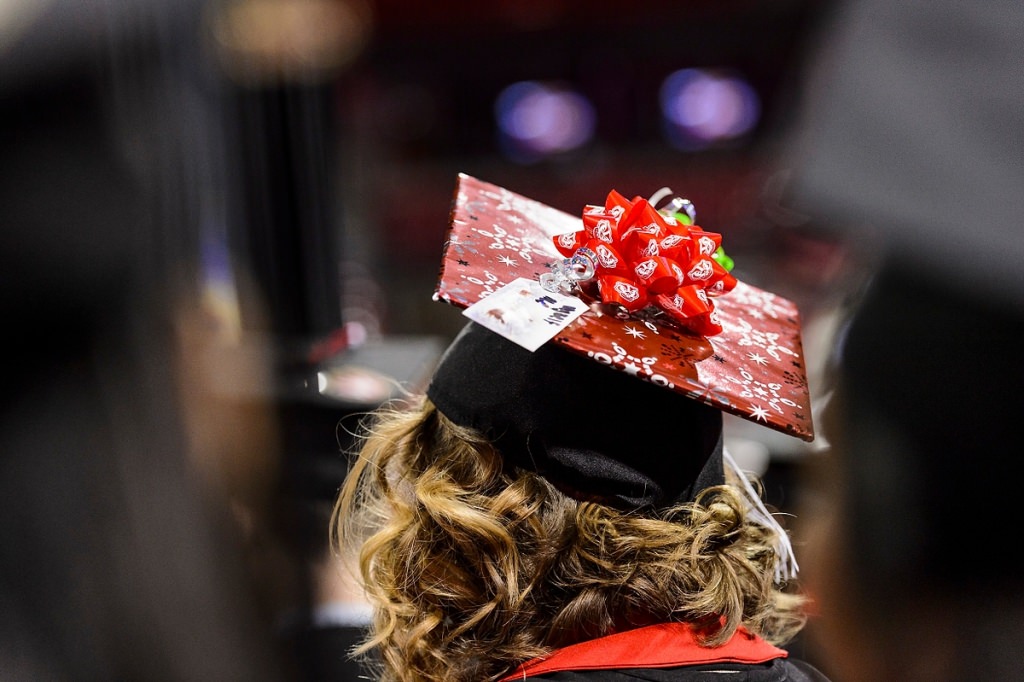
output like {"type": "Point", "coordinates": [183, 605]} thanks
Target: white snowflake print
{"type": "Point", "coordinates": [501, 240]}
{"type": "Point", "coordinates": [516, 209]}
{"type": "Point", "coordinates": [634, 332]}
{"type": "Point", "coordinates": [747, 335]}
{"type": "Point", "coordinates": [631, 364]}
{"type": "Point", "coordinates": [489, 283]}
{"type": "Point", "coordinates": [760, 303]}
{"type": "Point", "coordinates": [767, 393]}
{"type": "Point", "coordinates": [758, 359]}
{"type": "Point", "coordinates": [759, 413]}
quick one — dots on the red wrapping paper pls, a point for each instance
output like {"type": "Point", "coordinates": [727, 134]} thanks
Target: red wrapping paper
{"type": "Point", "coordinates": [754, 368]}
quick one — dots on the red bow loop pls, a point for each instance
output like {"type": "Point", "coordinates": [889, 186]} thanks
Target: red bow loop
{"type": "Point", "coordinates": [622, 291]}
{"type": "Point", "coordinates": [658, 274]}
{"type": "Point", "coordinates": [566, 244]}
{"type": "Point", "coordinates": [642, 258]}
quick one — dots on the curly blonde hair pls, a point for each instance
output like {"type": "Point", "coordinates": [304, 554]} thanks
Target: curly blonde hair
{"type": "Point", "coordinates": [472, 568]}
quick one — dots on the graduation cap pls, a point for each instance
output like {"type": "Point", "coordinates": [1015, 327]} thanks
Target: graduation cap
{"type": "Point", "coordinates": [571, 377]}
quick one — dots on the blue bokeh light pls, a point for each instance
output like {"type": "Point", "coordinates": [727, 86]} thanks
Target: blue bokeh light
{"type": "Point", "coordinates": [701, 108]}
{"type": "Point", "coordinates": [537, 120]}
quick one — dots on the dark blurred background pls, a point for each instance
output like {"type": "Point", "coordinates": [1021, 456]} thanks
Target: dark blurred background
{"type": "Point", "coordinates": [561, 101]}
{"type": "Point", "coordinates": [286, 168]}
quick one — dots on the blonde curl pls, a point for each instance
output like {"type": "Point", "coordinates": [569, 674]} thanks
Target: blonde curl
{"type": "Point", "coordinates": [472, 568]}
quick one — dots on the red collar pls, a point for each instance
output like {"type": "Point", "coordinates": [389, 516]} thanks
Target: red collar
{"type": "Point", "coordinates": [656, 646]}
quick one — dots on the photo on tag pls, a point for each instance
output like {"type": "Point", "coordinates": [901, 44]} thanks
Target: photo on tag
{"type": "Point", "coordinates": [524, 312]}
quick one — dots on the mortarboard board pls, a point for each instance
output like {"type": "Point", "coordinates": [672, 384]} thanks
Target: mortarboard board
{"type": "Point", "coordinates": [753, 368]}
{"type": "Point", "coordinates": [650, 434]}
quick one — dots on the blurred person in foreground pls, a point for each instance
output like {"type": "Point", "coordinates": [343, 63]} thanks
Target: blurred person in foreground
{"type": "Point", "coordinates": [133, 435]}
{"type": "Point", "coordinates": [913, 148]}
{"type": "Point", "coordinates": [540, 514]}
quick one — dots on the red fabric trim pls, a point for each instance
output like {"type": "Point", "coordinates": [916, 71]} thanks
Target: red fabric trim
{"type": "Point", "coordinates": [656, 646]}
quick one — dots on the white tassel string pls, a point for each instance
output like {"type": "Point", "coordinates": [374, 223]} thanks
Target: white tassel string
{"type": "Point", "coordinates": [786, 567]}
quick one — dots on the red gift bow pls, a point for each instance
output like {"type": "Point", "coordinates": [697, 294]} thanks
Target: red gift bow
{"type": "Point", "coordinates": [644, 258]}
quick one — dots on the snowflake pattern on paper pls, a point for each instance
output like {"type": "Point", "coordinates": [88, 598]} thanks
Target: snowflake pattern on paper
{"type": "Point", "coordinates": [753, 369]}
